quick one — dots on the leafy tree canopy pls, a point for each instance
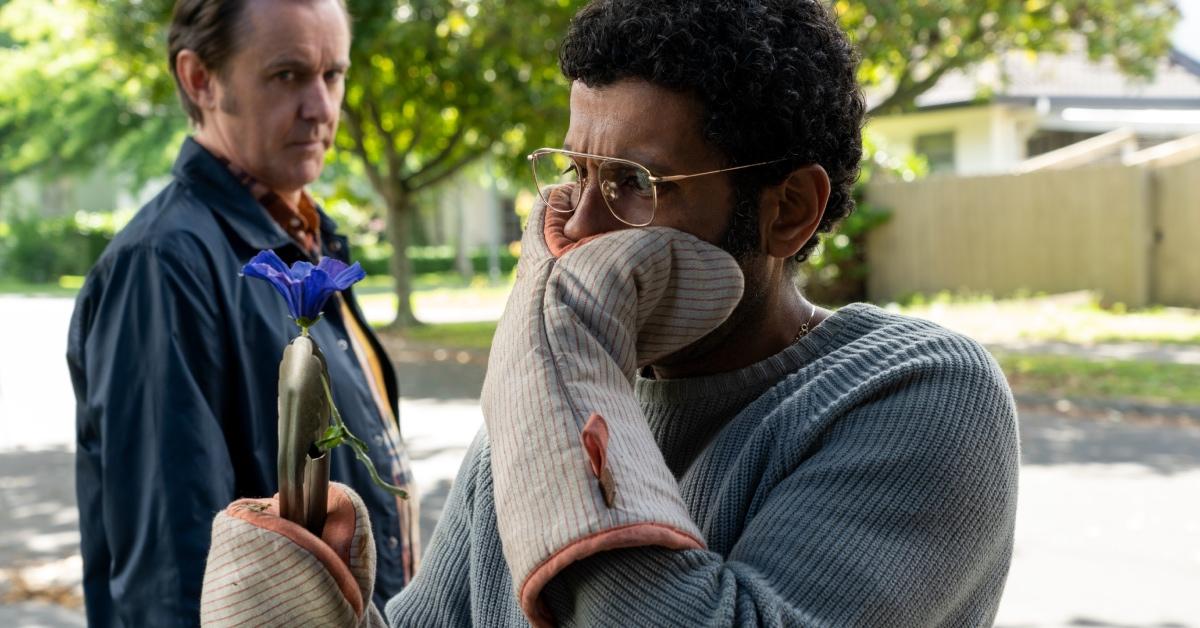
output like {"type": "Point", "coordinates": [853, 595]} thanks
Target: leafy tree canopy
{"type": "Point", "coordinates": [67, 104]}
{"type": "Point", "coordinates": [436, 84]}
{"type": "Point", "coordinates": [908, 45]}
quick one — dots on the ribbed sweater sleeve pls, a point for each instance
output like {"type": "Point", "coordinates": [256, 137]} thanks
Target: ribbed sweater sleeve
{"type": "Point", "coordinates": [463, 580]}
{"type": "Point", "coordinates": [899, 512]}
{"type": "Point", "coordinates": [443, 580]}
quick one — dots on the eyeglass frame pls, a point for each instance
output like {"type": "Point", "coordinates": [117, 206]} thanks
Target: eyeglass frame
{"type": "Point", "coordinates": [654, 179]}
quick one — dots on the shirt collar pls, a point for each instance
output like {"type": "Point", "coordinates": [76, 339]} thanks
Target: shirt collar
{"type": "Point", "coordinates": [215, 186]}
{"type": "Point", "coordinates": [301, 221]}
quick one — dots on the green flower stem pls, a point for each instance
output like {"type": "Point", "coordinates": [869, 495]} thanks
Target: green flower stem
{"type": "Point", "coordinates": [339, 434]}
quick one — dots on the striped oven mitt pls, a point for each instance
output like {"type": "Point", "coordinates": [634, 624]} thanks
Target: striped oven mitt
{"type": "Point", "coordinates": [264, 570]}
{"type": "Point", "coordinates": [576, 470]}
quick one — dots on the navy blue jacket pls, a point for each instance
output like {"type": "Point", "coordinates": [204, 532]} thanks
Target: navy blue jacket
{"type": "Point", "coordinates": [175, 364]}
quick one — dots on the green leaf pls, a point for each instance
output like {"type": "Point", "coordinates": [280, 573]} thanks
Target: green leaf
{"type": "Point", "coordinates": [338, 434]}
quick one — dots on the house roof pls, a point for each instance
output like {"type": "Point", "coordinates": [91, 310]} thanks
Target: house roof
{"type": "Point", "coordinates": [1069, 78]}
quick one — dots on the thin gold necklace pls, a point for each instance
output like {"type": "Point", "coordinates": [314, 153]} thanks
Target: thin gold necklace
{"type": "Point", "coordinates": [804, 328]}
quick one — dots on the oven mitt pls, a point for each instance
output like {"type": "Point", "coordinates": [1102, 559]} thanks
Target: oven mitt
{"type": "Point", "coordinates": [576, 470]}
{"type": "Point", "coordinates": [264, 570]}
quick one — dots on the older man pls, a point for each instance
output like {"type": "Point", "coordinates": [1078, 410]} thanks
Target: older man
{"type": "Point", "coordinates": [675, 435]}
{"type": "Point", "coordinates": [175, 358]}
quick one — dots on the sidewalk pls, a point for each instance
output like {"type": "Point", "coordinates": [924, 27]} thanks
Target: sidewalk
{"type": "Point", "coordinates": [1108, 526]}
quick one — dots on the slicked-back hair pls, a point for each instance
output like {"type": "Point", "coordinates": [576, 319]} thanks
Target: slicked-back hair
{"type": "Point", "coordinates": [211, 29]}
{"type": "Point", "coordinates": [776, 78]}
{"type": "Point", "coordinates": [214, 30]}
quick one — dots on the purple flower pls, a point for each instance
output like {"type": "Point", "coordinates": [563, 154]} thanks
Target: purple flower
{"type": "Point", "coordinates": [305, 287]}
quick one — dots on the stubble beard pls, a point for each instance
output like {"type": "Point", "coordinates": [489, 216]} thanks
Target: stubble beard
{"type": "Point", "coordinates": [741, 241]}
{"type": "Point", "coordinates": [228, 103]}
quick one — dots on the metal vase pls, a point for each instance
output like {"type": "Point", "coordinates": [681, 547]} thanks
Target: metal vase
{"type": "Point", "coordinates": [303, 418]}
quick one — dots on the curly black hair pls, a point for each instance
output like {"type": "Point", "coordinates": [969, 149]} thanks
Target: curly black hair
{"type": "Point", "coordinates": [776, 78]}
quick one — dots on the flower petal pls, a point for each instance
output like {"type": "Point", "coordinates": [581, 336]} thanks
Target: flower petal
{"type": "Point", "coordinates": [316, 289]}
{"type": "Point", "coordinates": [332, 266]}
{"type": "Point", "coordinates": [269, 258]}
{"type": "Point", "coordinates": [300, 270]}
{"type": "Point", "coordinates": [296, 301]}
{"type": "Point", "coordinates": [304, 287]}
{"type": "Point", "coordinates": [267, 266]}
{"type": "Point", "coordinates": [349, 276]}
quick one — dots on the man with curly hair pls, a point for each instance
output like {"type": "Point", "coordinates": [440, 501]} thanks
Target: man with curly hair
{"type": "Point", "coordinates": [675, 435]}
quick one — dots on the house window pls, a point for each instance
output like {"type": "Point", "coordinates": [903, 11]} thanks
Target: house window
{"type": "Point", "coordinates": [938, 150]}
{"type": "Point", "coordinates": [1045, 141]}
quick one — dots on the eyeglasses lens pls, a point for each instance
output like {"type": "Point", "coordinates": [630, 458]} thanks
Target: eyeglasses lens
{"type": "Point", "coordinates": [555, 169]}
{"type": "Point", "coordinates": [628, 191]}
{"type": "Point", "coordinates": [626, 188]}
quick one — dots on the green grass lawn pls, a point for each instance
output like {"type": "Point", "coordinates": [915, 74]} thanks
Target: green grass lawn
{"type": "Point", "coordinates": [484, 300]}
{"type": "Point", "coordinates": [1075, 318]}
{"type": "Point", "coordinates": [66, 287]}
{"type": "Point", "coordinates": [1082, 378]}
{"type": "Point", "coordinates": [455, 335]}
{"type": "Point", "coordinates": [382, 284]}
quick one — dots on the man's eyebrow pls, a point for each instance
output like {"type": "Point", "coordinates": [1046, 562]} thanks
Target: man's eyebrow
{"type": "Point", "coordinates": [655, 166]}
{"type": "Point", "coordinates": [288, 62]}
{"type": "Point", "coordinates": [303, 64]}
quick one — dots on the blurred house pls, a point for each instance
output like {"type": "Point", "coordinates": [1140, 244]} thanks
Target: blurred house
{"type": "Point", "coordinates": [1051, 173]}
{"type": "Point", "coordinates": [991, 119]}
{"type": "Point", "coordinates": [471, 210]}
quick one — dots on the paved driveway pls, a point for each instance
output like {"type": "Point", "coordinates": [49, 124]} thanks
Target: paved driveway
{"type": "Point", "coordinates": [1108, 526]}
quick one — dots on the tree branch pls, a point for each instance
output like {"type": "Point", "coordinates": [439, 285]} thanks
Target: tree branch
{"type": "Point", "coordinates": [447, 171]}
{"type": "Point", "coordinates": [451, 144]}
{"type": "Point", "coordinates": [895, 98]}
{"type": "Point", "coordinates": [356, 133]}
{"type": "Point", "coordinates": [417, 129]}
{"type": "Point", "coordinates": [389, 147]}
{"type": "Point", "coordinates": [907, 90]}
{"type": "Point", "coordinates": [905, 94]}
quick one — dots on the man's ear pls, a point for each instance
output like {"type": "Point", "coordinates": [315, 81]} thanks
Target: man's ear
{"type": "Point", "coordinates": [197, 80]}
{"type": "Point", "coordinates": [790, 212]}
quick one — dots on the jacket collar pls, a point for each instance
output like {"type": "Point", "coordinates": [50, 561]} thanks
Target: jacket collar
{"type": "Point", "coordinates": [215, 186]}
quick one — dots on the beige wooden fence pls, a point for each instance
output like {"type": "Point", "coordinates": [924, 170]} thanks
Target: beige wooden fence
{"type": "Point", "coordinates": [1053, 231]}
{"type": "Point", "coordinates": [1176, 265]}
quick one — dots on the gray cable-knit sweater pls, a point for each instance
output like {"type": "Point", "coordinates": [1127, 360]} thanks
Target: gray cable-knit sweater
{"type": "Point", "coordinates": [865, 476]}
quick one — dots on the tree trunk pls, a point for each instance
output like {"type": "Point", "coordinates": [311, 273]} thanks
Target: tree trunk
{"type": "Point", "coordinates": [399, 224]}
{"type": "Point", "coordinates": [462, 257]}
{"type": "Point", "coordinates": [495, 228]}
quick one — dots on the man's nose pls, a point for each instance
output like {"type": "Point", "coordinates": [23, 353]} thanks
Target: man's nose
{"type": "Point", "coordinates": [591, 216]}
{"type": "Point", "coordinates": [320, 103]}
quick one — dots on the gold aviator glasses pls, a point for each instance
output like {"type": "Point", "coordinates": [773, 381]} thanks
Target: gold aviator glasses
{"type": "Point", "coordinates": [629, 188]}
